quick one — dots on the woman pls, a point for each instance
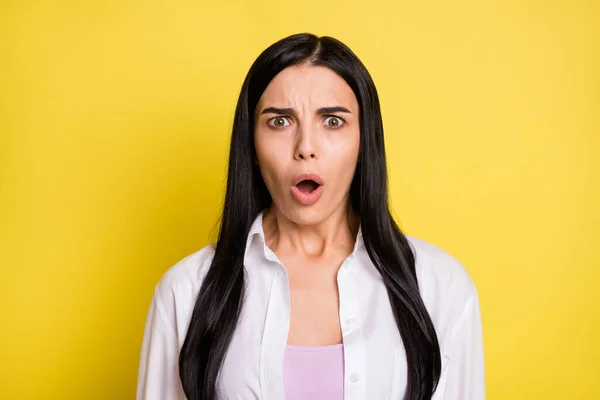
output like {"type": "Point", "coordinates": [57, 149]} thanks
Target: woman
{"type": "Point", "coordinates": [312, 291]}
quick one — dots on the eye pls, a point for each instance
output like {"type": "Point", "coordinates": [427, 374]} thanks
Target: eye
{"type": "Point", "coordinates": [334, 122]}
{"type": "Point", "coordinates": [279, 122]}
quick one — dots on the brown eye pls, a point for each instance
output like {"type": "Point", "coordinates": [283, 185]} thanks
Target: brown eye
{"type": "Point", "coordinates": [278, 122]}
{"type": "Point", "coordinates": [334, 122]}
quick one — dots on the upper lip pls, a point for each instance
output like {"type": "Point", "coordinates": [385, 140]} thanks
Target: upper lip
{"type": "Point", "coordinates": [311, 177]}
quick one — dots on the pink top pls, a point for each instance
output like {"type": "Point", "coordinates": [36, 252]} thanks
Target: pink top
{"type": "Point", "coordinates": [314, 372]}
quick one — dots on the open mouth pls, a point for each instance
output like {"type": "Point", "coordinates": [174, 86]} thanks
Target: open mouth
{"type": "Point", "coordinates": [307, 186]}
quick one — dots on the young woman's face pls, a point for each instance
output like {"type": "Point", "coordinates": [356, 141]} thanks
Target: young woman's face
{"type": "Point", "coordinates": [306, 122]}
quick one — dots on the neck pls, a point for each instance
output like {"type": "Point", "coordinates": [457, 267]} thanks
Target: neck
{"type": "Point", "coordinates": [332, 233]}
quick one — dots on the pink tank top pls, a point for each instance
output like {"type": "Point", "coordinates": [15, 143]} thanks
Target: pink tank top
{"type": "Point", "coordinates": [314, 372]}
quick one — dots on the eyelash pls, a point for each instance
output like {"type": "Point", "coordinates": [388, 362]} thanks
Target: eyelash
{"type": "Point", "coordinates": [325, 116]}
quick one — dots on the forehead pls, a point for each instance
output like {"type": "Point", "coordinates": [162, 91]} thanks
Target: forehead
{"type": "Point", "coordinates": [311, 85]}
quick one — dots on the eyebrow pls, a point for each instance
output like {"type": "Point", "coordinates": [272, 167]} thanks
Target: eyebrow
{"type": "Point", "coordinates": [291, 111]}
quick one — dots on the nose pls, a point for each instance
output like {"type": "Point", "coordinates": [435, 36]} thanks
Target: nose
{"type": "Point", "coordinates": [306, 146]}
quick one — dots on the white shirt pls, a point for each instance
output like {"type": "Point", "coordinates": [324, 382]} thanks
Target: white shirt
{"type": "Point", "coordinates": [375, 362]}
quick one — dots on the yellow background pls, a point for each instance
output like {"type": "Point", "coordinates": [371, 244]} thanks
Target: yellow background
{"type": "Point", "coordinates": [115, 119]}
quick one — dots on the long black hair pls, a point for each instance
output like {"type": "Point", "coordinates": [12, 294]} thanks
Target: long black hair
{"type": "Point", "coordinates": [219, 301]}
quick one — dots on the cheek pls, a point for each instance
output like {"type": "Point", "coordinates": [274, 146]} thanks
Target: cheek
{"type": "Point", "coordinates": [266, 145]}
{"type": "Point", "coordinates": [347, 165]}
{"type": "Point", "coordinates": [271, 161]}
{"type": "Point", "coordinates": [345, 151]}
{"type": "Point", "coordinates": [346, 158]}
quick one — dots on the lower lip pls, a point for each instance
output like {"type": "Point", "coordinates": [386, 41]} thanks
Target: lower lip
{"type": "Point", "coordinates": [307, 198]}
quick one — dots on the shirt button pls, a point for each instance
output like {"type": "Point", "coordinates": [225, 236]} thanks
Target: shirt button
{"type": "Point", "coordinates": [354, 377]}
{"type": "Point", "coordinates": [350, 321]}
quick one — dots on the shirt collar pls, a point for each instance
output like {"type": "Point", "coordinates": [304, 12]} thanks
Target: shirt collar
{"type": "Point", "coordinates": [256, 229]}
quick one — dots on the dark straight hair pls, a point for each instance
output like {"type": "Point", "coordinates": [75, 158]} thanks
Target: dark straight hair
{"type": "Point", "coordinates": [219, 301]}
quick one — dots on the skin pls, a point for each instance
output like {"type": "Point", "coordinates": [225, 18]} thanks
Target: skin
{"type": "Point", "coordinates": [311, 241]}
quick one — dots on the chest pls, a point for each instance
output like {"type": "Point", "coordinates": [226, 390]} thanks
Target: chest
{"type": "Point", "coordinates": [374, 362]}
{"type": "Point", "coordinates": [314, 302]}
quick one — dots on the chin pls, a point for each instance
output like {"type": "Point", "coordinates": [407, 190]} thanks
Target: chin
{"type": "Point", "coordinates": [304, 215]}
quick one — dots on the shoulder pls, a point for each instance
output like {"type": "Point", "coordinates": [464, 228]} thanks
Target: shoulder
{"type": "Point", "coordinates": [190, 270]}
{"type": "Point", "coordinates": [434, 263]}
{"type": "Point", "coordinates": [445, 284]}
{"type": "Point", "coordinates": [178, 287]}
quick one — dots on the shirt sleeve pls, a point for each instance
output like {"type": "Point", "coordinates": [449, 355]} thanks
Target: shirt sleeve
{"type": "Point", "coordinates": [158, 376]}
{"type": "Point", "coordinates": [465, 376]}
